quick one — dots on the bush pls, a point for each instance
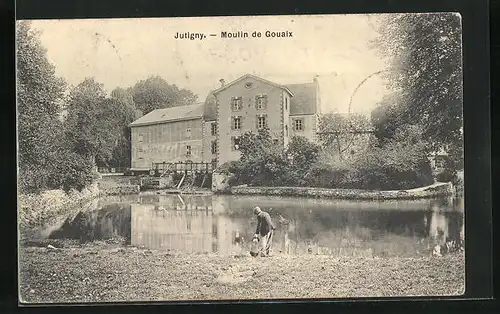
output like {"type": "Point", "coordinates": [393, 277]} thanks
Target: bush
{"type": "Point", "coordinates": [264, 164]}
{"type": "Point", "coordinates": [226, 167]}
{"type": "Point", "coordinates": [261, 162]}
{"type": "Point", "coordinates": [304, 155]}
{"type": "Point", "coordinates": [32, 178]}
{"type": "Point", "coordinates": [62, 168]}
{"type": "Point", "coordinates": [399, 164]}
{"type": "Point", "coordinates": [324, 175]}
{"type": "Point", "coordinates": [72, 171]}
{"type": "Point", "coordinates": [265, 170]}
{"type": "Point", "coordinates": [449, 173]}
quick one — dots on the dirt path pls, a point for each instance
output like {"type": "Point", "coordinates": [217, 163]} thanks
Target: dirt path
{"type": "Point", "coordinates": [92, 274]}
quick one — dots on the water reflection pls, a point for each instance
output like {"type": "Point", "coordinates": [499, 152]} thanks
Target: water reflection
{"type": "Point", "coordinates": [225, 224]}
{"type": "Point", "coordinates": [104, 223]}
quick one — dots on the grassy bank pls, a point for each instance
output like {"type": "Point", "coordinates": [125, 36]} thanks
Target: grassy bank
{"type": "Point", "coordinates": [104, 274]}
{"type": "Point", "coordinates": [37, 209]}
{"type": "Point", "coordinates": [41, 208]}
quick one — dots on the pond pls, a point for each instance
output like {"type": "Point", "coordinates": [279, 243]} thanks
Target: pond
{"type": "Point", "coordinates": [225, 224]}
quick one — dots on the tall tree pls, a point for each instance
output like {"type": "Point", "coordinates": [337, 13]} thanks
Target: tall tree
{"type": "Point", "coordinates": [425, 71]}
{"type": "Point", "coordinates": [122, 102]}
{"type": "Point", "coordinates": [124, 96]}
{"type": "Point", "coordinates": [155, 93]}
{"type": "Point", "coordinates": [39, 99]}
{"type": "Point", "coordinates": [387, 118]}
{"type": "Point", "coordinates": [92, 124]}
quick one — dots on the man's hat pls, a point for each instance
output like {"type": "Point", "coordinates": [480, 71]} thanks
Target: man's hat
{"type": "Point", "coordinates": [256, 210]}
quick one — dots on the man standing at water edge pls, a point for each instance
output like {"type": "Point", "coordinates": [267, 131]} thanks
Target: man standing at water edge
{"type": "Point", "coordinates": [265, 229]}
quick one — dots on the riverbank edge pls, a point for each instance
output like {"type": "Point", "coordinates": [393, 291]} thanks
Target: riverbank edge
{"type": "Point", "coordinates": [434, 190]}
{"type": "Point", "coordinates": [38, 208]}
{"type": "Point", "coordinates": [115, 274]}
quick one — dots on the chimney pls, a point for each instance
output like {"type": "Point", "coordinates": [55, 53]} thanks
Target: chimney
{"type": "Point", "coordinates": [315, 78]}
{"type": "Point", "coordinates": [222, 82]}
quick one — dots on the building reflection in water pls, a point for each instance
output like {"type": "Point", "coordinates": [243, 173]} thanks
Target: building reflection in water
{"type": "Point", "coordinates": [187, 224]}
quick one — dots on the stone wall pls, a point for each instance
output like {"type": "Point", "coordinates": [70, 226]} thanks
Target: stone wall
{"type": "Point", "coordinates": [120, 190]}
{"type": "Point", "coordinates": [438, 189]}
{"type": "Point", "coordinates": [118, 185]}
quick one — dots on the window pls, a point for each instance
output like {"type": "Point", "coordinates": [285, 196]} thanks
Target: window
{"type": "Point", "coordinates": [236, 123]}
{"type": "Point", "coordinates": [140, 153]}
{"type": "Point", "coordinates": [188, 150]}
{"type": "Point", "coordinates": [188, 132]}
{"type": "Point", "coordinates": [141, 137]}
{"type": "Point", "coordinates": [214, 147]}
{"type": "Point", "coordinates": [286, 103]}
{"type": "Point", "coordinates": [214, 129]}
{"type": "Point", "coordinates": [298, 125]}
{"type": "Point", "coordinates": [235, 140]}
{"type": "Point", "coordinates": [236, 103]}
{"type": "Point", "coordinates": [261, 122]}
{"type": "Point", "coordinates": [261, 102]}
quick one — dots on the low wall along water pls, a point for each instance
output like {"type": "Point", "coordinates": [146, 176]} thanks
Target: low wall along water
{"type": "Point", "coordinates": [437, 189]}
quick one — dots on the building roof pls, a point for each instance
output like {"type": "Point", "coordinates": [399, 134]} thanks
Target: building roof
{"type": "Point", "coordinates": [254, 77]}
{"type": "Point", "coordinates": [302, 102]}
{"type": "Point", "coordinates": [178, 113]}
{"type": "Point", "coordinates": [210, 110]}
{"type": "Point", "coordinates": [304, 99]}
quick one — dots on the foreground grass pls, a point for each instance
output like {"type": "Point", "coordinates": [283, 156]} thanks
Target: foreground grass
{"type": "Point", "coordinates": [106, 274]}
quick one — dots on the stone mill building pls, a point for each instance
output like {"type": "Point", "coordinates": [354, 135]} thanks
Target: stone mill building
{"type": "Point", "coordinates": [210, 131]}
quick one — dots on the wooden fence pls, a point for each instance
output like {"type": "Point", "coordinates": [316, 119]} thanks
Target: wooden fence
{"type": "Point", "coordinates": [165, 167]}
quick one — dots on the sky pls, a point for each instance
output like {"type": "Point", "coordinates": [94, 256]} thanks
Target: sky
{"type": "Point", "coordinates": [120, 52]}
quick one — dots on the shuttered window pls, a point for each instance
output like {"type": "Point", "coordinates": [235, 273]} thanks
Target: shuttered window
{"type": "Point", "coordinates": [236, 103]}
{"type": "Point", "coordinates": [236, 122]}
{"type": "Point", "coordinates": [261, 102]}
{"type": "Point", "coordinates": [214, 129]}
{"type": "Point", "coordinates": [298, 124]}
{"type": "Point", "coordinates": [261, 121]}
{"type": "Point", "coordinates": [214, 147]}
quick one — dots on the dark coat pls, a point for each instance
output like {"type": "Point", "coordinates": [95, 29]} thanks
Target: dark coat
{"type": "Point", "coordinates": [264, 224]}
